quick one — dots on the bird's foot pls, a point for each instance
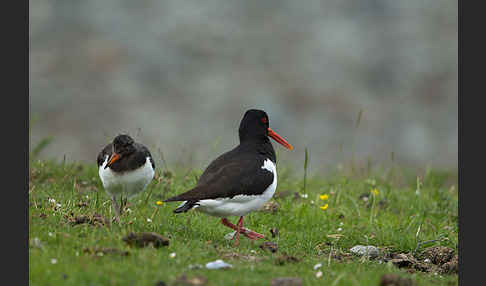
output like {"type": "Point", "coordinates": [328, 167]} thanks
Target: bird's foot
{"type": "Point", "coordinates": [251, 234]}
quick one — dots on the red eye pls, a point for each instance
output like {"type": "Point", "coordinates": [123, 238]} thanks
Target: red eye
{"type": "Point", "coordinates": [264, 120]}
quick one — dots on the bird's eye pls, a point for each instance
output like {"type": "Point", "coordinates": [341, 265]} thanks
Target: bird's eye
{"type": "Point", "coordinates": [264, 120]}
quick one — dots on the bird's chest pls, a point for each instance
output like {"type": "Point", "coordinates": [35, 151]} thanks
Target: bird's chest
{"type": "Point", "coordinates": [129, 182]}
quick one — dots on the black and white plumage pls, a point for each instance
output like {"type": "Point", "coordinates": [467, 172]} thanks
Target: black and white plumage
{"type": "Point", "coordinates": [125, 169]}
{"type": "Point", "coordinates": [241, 180]}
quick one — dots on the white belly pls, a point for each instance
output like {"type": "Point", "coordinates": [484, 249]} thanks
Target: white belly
{"type": "Point", "coordinates": [128, 183]}
{"type": "Point", "coordinates": [240, 205]}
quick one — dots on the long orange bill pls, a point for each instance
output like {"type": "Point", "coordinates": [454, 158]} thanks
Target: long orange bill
{"type": "Point", "coordinates": [112, 159]}
{"type": "Point", "coordinates": [279, 139]}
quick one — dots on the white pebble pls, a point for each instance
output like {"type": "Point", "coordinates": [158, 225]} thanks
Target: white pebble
{"type": "Point", "coordinates": [218, 264]}
{"type": "Point", "coordinates": [361, 250]}
{"type": "Point", "coordinates": [229, 236]}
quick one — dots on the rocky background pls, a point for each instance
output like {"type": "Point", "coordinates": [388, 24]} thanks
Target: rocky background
{"type": "Point", "coordinates": [346, 79]}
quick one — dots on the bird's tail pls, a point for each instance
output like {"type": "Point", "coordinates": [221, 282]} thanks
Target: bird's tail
{"type": "Point", "coordinates": [185, 206]}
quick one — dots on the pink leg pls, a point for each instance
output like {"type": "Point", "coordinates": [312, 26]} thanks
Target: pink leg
{"type": "Point", "coordinates": [246, 232]}
{"type": "Point", "coordinates": [238, 230]}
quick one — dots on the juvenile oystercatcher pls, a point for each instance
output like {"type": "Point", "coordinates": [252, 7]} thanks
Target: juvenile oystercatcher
{"type": "Point", "coordinates": [241, 180]}
{"type": "Point", "coordinates": [125, 168]}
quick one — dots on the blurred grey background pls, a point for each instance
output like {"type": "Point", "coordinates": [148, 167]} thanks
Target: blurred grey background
{"type": "Point", "coordinates": [178, 76]}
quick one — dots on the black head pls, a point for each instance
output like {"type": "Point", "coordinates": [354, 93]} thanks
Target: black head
{"type": "Point", "coordinates": [122, 146]}
{"type": "Point", "coordinates": [255, 126]}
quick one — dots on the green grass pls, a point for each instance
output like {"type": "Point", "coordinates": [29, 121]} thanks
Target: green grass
{"type": "Point", "coordinates": [396, 219]}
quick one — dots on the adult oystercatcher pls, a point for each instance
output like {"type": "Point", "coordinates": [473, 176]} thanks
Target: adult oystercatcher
{"type": "Point", "coordinates": [241, 180]}
{"type": "Point", "coordinates": [125, 168]}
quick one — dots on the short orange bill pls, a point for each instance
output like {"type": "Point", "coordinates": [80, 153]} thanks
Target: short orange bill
{"type": "Point", "coordinates": [279, 139]}
{"type": "Point", "coordinates": [112, 159]}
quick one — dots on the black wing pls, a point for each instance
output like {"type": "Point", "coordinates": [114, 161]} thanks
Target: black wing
{"type": "Point", "coordinates": [229, 176]}
{"type": "Point", "coordinates": [142, 150]}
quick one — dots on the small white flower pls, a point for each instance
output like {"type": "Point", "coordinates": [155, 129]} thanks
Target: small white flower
{"type": "Point", "coordinates": [341, 223]}
{"type": "Point", "coordinates": [318, 265]}
{"type": "Point", "coordinates": [58, 205]}
{"type": "Point", "coordinates": [319, 274]}
{"type": "Point", "coordinates": [312, 202]}
{"type": "Point", "coordinates": [52, 201]}
{"type": "Point", "coordinates": [87, 197]}
{"type": "Point", "coordinates": [427, 260]}
{"type": "Point", "coordinates": [304, 196]}
{"type": "Point", "coordinates": [128, 210]}
{"type": "Point", "coordinates": [172, 255]}
{"type": "Point", "coordinates": [53, 260]}
{"type": "Point", "coordinates": [77, 253]}
{"type": "Point", "coordinates": [339, 229]}
{"type": "Point", "coordinates": [149, 220]}
{"type": "Point", "coordinates": [50, 234]}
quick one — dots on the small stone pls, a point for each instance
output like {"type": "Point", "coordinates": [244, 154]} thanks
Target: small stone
{"type": "Point", "coordinates": [229, 236]}
{"type": "Point", "coordinates": [218, 264]}
{"type": "Point", "coordinates": [369, 250]}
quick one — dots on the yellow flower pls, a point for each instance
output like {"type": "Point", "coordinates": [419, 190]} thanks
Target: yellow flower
{"type": "Point", "coordinates": [324, 207]}
{"type": "Point", "coordinates": [324, 197]}
{"type": "Point", "coordinates": [159, 203]}
{"type": "Point", "coordinates": [375, 191]}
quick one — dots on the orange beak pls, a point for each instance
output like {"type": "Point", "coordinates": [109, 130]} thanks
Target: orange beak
{"type": "Point", "coordinates": [279, 139]}
{"type": "Point", "coordinates": [112, 159]}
